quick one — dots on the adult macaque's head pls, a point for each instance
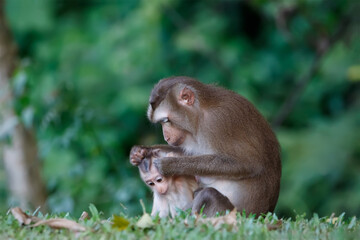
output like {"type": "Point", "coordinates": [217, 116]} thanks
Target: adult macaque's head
{"type": "Point", "coordinates": [175, 105]}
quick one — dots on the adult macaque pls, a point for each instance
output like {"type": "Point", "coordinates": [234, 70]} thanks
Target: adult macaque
{"type": "Point", "coordinates": [170, 193]}
{"type": "Point", "coordinates": [226, 143]}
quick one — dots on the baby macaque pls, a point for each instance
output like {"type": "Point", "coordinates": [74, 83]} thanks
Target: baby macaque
{"type": "Point", "coordinates": [170, 193]}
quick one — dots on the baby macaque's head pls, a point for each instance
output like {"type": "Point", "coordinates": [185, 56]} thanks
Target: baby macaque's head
{"type": "Point", "coordinates": [151, 176]}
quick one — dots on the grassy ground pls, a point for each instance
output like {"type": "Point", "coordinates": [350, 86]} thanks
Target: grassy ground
{"type": "Point", "coordinates": [187, 227]}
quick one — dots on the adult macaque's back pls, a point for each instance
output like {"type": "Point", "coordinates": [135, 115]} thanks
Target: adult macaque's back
{"type": "Point", "coordinates": [226, 142]}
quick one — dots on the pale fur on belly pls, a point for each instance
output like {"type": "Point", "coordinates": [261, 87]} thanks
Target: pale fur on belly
{"type": "Point", "coordinates": [230, 189]}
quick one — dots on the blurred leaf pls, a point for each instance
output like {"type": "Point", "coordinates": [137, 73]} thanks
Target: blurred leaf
{"type": "Point", "coordinates": [7, 127]}
{"type": "Point", "coordinates": [120, 223]}
{"type": "Point", "coordinates": [353, 73]}
{"type": "Point", "coordinates": [19, 83]}
{"type": "Point", "coordinates": [84, 216]}
{"type": "Point", "coordinates": [27, 116]}
{"type": "Point", "coordinates": [22, 217]}
{"type": "Point", "coordinates": [30, 15]}
{"type": "Point", "coordinates": [352, 223]}
{"type": "Point", "coordinates": [94, 212]}
{"type": "Point", "coordinates": [145, 221]}
{"type": "Point", "coordinates": [59, 223]}
{"type": "Point", "coordinates": [56, 223]}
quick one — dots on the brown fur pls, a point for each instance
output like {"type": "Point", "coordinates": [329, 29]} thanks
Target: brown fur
{"type": "Point", "coordinates": [229, 144]}
{"type": "Point", "coordinates": [209, 201]}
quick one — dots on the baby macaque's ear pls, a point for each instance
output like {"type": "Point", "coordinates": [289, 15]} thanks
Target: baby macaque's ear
{"type": "Point", "coordinates": [145, 165]}
{"type": "Point", "coordinates": [156, 152]}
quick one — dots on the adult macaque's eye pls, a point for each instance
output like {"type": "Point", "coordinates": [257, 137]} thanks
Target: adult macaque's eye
{"type": "Point", "coordinates": [165, 120]}
{"type": "Point", "coordinates": [151, 183]}
{"type": "Point", "coordinates": [159, 180]}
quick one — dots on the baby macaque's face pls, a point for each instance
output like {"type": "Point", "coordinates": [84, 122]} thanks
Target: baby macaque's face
{"type": "Point", "coordinates": [155, 180]}
{"type": "Point", "coordinates": [151, 176]}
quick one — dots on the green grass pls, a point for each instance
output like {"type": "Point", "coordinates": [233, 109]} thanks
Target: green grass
{"type": "Point", "coordinates": [186, 227]}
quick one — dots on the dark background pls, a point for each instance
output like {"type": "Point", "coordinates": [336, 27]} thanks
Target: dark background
{"type": "Point", "coordinates": [87, 69]}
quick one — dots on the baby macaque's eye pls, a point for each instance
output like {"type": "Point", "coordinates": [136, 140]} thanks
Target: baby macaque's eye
{"type": "Point", "coordinates": [151, 183]}
{"type": "Point", "coordinates": [159, 179]}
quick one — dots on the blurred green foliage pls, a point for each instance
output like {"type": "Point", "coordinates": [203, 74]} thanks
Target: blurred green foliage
{"type": "Point", "coordinates": [87, 68]}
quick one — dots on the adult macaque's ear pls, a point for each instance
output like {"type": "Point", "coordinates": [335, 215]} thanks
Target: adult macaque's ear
{"type": "Point", "coordinates": [187, 97]}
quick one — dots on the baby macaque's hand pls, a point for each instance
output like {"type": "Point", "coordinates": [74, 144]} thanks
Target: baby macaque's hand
{"type": "Point", "coordinates": [137, 154]}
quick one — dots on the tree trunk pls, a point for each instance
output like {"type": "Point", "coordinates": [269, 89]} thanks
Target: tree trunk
{"type": "Point", "coordinates": [20, 155]}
